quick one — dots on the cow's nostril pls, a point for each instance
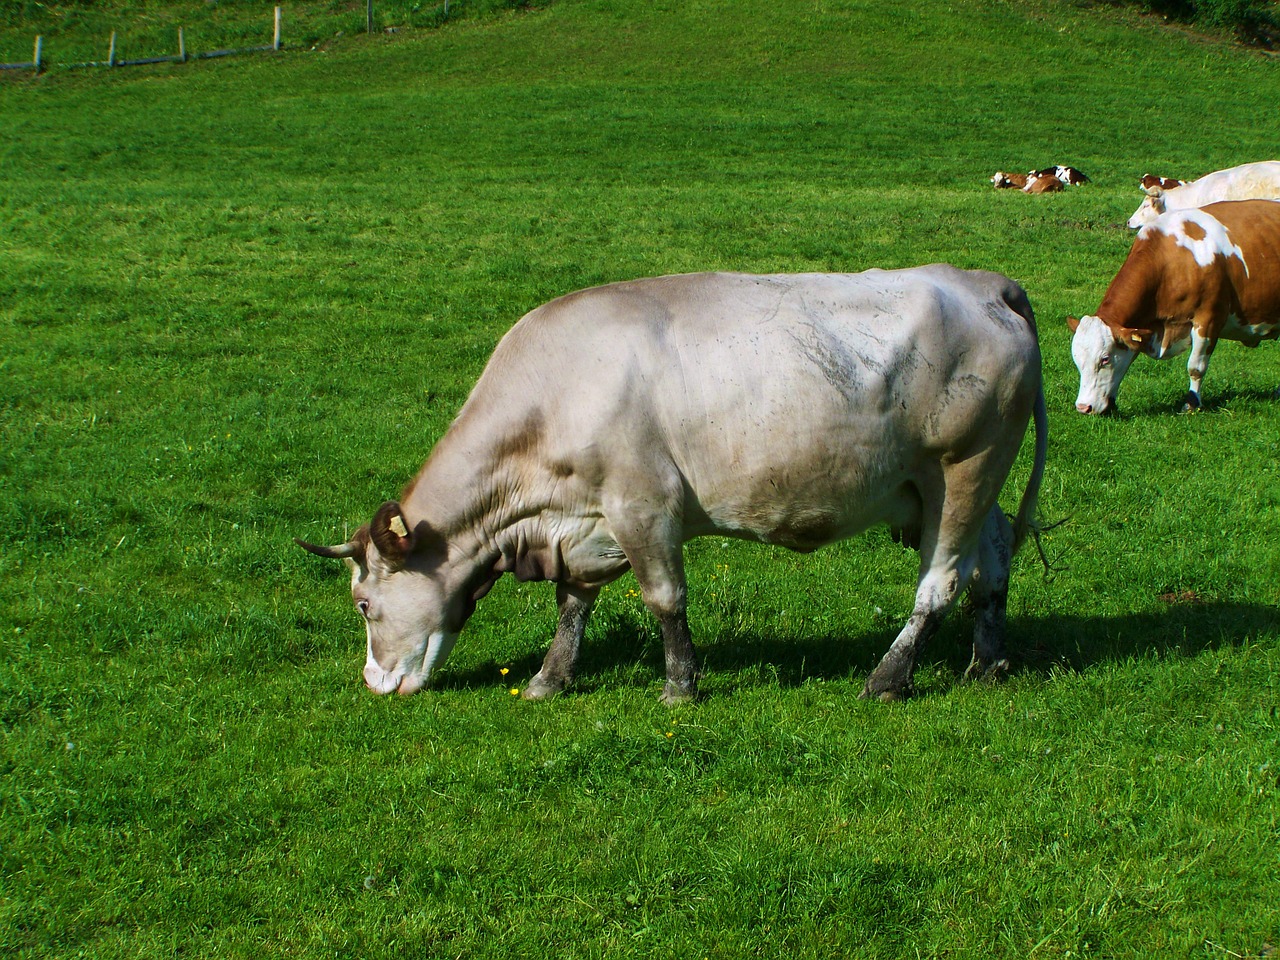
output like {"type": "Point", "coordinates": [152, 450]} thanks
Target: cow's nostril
{"type": "Point", "coordinates": [379, 680]}
{"type": "Point", "coordinates": [1085, 407]}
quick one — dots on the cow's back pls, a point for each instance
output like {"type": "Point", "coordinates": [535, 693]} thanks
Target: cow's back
{"type": "Point", "coordinates": [1247, 181]}
{"type": "Point", "coordinates": [773, 398]}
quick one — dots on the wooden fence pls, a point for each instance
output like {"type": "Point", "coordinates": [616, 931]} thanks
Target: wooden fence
{"type": "Point", "coordinates": [38, 62]}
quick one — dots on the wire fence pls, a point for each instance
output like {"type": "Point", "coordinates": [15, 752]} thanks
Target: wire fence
{"type": "Point", "coordinates": [39, 63]}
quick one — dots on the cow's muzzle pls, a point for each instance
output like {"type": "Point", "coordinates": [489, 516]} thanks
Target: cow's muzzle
{"type": "Point", "coordinates": [1103, 410]}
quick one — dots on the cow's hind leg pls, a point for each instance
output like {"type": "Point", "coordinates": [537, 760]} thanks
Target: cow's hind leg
{"type": "Point", "coordinates": [941, 581]}
{"type": "Point", "coordinates": [989, 593]}
{"type": "Point", "coordinates": [562, 657]}
{"type": "Point", "coordinates": [954, 506]}
{"type": "Point", "coordinates": [659, 570]}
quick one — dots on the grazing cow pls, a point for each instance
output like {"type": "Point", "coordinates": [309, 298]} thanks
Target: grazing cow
{"type": "Point", "coordinates": [1192, 278]}
{"type": "Point", "coordinates": [1249, 181]}
{"type": "Point", "coordinates": [1042, 183]}
{"type": "Point", "coordinates": [613, 424]}
{"type": "Point", "coordinates": [1007, 181]}
{"type": "Point", "coordinates": [1164, 183]}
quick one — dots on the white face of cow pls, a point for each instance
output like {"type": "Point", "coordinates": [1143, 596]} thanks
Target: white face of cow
{"type": "Point", "coordinates": [1150, 208]}
{"type": "Point", "coordinates": [403, 611]}
{"type": "Point", "coordinates": [1102, 361]}
{"type": "Point", "coordinates": [401, 586]}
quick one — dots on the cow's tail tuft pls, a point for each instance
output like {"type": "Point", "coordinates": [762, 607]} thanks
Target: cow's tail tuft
{"type": "Point", "coordinates": [1025, 521]}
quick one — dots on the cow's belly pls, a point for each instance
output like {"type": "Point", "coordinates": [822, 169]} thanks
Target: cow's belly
{"type": "Point", "coordinates": [1250, 334]}
{"type": "Point", "coordinates": [806, 500]}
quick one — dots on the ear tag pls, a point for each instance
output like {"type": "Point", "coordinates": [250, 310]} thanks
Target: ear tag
{"type": "Point", "coordinates": [397, 526]}
{"type": "Point", "coordinates": [1135, 337]}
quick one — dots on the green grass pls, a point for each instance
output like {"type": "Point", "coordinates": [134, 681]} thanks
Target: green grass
{"type": "Point", "coordinates": [240, 300]}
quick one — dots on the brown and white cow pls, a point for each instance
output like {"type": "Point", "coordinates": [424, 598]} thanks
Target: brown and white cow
{"type": "Point", "coordinates": [1070, 176]}
{"type": "Point", "coordinates": [1192, 278]}
{"type": "Point", "coordinates": [614, 424]}
{"type": "Point", "coordinates": [1043, 183]}
{"type": "Point", "coordinates": [1249, 181]}
{"type": "Point", "coordinates": [1164, 183]}
{"type": "Point", "coordinates": [1066, 177]}
{"type": "Point", "coordinates": [1008, 181]}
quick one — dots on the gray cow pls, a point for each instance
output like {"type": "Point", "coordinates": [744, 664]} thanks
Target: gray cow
{"type": "Point", "coordinates": [614, 424]}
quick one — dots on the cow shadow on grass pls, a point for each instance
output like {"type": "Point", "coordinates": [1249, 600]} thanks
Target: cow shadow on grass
{"type": "Point", "coordinates": [628, 652]}
{"type": "Point", "coordinates": [1212, 401]}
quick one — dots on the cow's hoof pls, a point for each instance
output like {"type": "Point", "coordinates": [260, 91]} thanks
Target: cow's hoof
{"type": "Point", "coordinates": [674, 694]}
{"type": "Point", "coordinates": [987, 672]}
{"type": "Point", "coordinates": [887, 694]}
{"type": "Point", "coordinates": [542, 689]}
{"type": "Point", "coordinates": [1191, 404]}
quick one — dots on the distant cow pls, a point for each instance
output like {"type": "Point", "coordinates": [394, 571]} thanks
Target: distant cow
{"type": "Point", "coordinates": [1007, 181]}
{"type": "Point", "coordinates": [1192, 278]}
{"type": "Point", "coordinates": [614, 424]}
{"type": "Point", "coordinates": [1043, 183]}
{"type": "Point", "coordinates": [1069, 176]}
{"type": "Point", "coordinates": [1164, 183]}
{"type": "Point", "coordinates": [1249, 181]}
{"type": "Point", "coordinates": [1066, 176]}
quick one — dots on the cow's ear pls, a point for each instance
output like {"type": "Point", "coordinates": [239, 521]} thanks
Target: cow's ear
{"type": "Point", "coordinates": [391, 535]}
{"type": "Point", "coordinates": [1136, 339]}
{"type": "Point", "coordinates": [1073, 323]}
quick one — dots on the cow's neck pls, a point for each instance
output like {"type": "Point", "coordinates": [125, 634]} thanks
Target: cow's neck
{"type": "Point", "coordinates": [479, 490]}
{"type": "Point", "coordinates": [1131, 304]}
{"type": "Point", "coordinates": [1130, 300]}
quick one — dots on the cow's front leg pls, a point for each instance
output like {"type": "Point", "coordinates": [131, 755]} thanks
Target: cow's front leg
{"type": "Point", "coordinates": [1201, 350]}
{"type": "Point", "coordinates": [558, 666]}
{"type": "Point", "coordinates": [990, 594]}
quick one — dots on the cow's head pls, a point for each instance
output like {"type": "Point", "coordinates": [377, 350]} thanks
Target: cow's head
{"type": "Point", "coordinates": [405, 589]}
{"type": "Point", "coordinates": [1151, 207]}
{"type": "Point", "coordinates": [1103, 358]}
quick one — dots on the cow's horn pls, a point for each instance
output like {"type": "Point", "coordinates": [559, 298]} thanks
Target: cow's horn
{"type": "Point", "coordinates": [340, 552]}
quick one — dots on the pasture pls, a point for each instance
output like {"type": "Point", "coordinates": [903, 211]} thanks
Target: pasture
{"type": "Point", "coordinates": [239, 302]}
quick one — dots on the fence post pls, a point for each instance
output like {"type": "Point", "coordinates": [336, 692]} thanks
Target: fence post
{"type": "Point", "coordinates": [368, 16]}
{"type": "Point", "coordinates": [275, 42]}
{"type": "Point", "coordinates": [111, 54]}
{"type": "Point", "coordinates": [182, 46]}
{"type": "Point", "coordinates": [39, 48]}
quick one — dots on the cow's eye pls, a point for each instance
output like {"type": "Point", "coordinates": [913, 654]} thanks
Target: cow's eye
{"type": "Point", "coordinates": [1104, 362]}
{"type": "Point", "coordinates": [363, 607]}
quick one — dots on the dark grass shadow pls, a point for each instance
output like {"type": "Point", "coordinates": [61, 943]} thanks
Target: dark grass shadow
{"type": "Point", "coordinates": [628, 652]}
{"type": "Point", "coordinates": [1212, 401]}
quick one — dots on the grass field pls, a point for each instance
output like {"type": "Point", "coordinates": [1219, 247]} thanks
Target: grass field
{"type": "Point", "coordinates": [239, 301]}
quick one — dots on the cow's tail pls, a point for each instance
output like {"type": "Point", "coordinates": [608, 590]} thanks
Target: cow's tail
{"type": "Point", "coordinates": [1025, 521]}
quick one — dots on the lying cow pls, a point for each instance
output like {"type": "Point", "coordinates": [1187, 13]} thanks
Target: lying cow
{"type": "Point", "coordinates": [1008, 181]}
{"type": "Point", "coordinates": [613, 424]}
{"type": "Point", "coordinates": [1192, 278]}
{"type": "Point", "coordinates": [1043, 183]}
{"type": "Point", "coordinates": [1066, 177]}
{"type": "Point", "coordinates": [1164, 183]}
{"type": "Point", "coordinates": [1069, 176]}
{"type": "Point", "coordinates": [1249, 181]}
